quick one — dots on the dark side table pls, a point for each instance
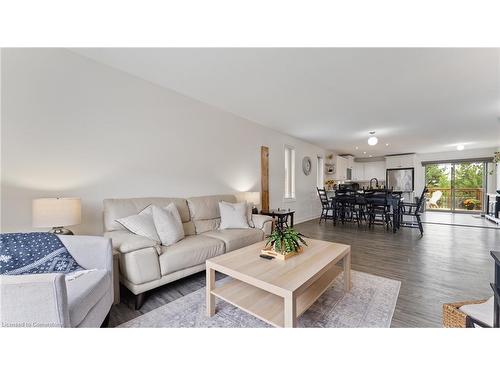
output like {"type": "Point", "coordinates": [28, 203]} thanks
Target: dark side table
{"type": "Point", "coordinates": [281, 217]}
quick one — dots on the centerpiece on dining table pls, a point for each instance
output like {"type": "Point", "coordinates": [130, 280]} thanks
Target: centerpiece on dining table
{"type": "Point", "coordinates": [284, 243]}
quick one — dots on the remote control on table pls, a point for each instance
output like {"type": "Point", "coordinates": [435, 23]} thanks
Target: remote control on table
{"type": "Point", "coordinates": [266, 256]}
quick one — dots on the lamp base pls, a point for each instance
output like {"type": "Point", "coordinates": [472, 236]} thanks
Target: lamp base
{"type": "Point", "coordinates": [61, 230]}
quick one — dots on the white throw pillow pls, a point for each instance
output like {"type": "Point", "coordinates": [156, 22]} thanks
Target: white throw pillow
{"type": "Point", "coordinates": [168, 224]}
{"type": "Point", "coordinates": [233, 215]}
{"type": "Point", "coordinates": [141, 224]}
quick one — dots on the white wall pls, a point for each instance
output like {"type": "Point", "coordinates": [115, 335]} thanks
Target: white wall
{"type": "Point", "coordinates": [73, 127]}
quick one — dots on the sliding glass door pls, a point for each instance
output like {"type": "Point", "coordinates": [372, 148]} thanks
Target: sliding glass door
{"type": "Point", "coordinates": [456, 187]}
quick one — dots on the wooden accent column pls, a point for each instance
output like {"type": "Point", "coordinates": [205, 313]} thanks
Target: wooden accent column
{"type": "Point", "coordinates": [264, 178]}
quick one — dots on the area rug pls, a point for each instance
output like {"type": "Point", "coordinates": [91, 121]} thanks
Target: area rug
{"type": "Point", "coordinates": [370, 303]}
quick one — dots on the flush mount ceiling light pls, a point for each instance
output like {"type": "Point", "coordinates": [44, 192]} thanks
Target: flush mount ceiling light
{"type": "Point", "coordinates": [372, 141]}
{"type": "Point", "coordinates": [460, 147]}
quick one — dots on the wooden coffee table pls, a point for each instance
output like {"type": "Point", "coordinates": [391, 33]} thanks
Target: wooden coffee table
{"type": "Point", "coordinates": [277, 291]}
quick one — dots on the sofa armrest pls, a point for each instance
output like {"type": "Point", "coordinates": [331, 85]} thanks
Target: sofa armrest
{"type": "Point", "coordinates": [90, 251]}
{"type": "Point", "coordinates": [263, 222]}
{"type": "Point", "coordinates": [38, 300]}
{"type": "Point", "coordinates": [126, 242]}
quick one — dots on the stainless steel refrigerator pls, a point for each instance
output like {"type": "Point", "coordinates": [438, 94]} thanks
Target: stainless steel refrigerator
{"type": "Point", "coordinates": [400, 179]}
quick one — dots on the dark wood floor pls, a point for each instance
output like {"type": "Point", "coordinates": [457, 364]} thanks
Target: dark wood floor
{"type": "Point", "coordinates": [449, 263]}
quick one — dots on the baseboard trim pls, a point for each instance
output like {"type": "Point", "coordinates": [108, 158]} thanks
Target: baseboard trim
{"type": "Point", "coordinates": [302, 220]}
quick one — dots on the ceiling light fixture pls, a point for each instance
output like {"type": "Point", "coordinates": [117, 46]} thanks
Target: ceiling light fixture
{"type": "Point", "coordinates": [387, 144]}
{"type": "Point", "coordinates": [357, 147]}
{"type": "Point", "coordinates": [460, 147]}
{"type": "Point", "coordinates": [372, 141]}
{"type": "Point", "coordinates": [370, 155]}
{"type": "Point", "coordinates": [364, 152]}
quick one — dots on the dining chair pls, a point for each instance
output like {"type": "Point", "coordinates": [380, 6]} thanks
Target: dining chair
{"type": "Point", "coordinates": [413, 210]}
{"type": "Point", "coordinates": [327, 209]}
{"type": "Point", "coordinates": [377, 205]}
{"type": "Point", "coordinates": [346, 206]}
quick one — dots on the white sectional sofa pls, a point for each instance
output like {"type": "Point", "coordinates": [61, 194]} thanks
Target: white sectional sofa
{"type": "Point", "coordinates": [145, 265]}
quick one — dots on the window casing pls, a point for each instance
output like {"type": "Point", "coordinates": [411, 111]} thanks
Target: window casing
{"type": "Point", "coordinates": [289, 172]}
{"type": "Point", "coordinates": [320, 172]}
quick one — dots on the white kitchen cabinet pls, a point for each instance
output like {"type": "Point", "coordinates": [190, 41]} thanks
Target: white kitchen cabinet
{"type": "Point", "coordinates": [400, 161]}
{"type": "Point", "coordinates": [350, 161]}
{"type": "Point", "coordinates": [374, 169]}
{"type": "Point", "coordinates": [365, 171]}
{"type": "Point", "coordinates": [358, 171]}
{"type": "Point", "coordinates": [341, 168]}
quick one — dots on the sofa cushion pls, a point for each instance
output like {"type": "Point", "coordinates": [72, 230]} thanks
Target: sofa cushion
{"type": "Point", "coordinates": [233, 215]}
{"type": "Point", "coordinates": [84, 292]}
{"type": "Point", "coordinates": [189, 252]}
{"type": "Point", "coordinates": [237, 238]}
{"type": "Point", "coordinates": [168, 224]}
{"type": "Point", "coordinates": [118, 208]}
{"type": "Point", "coordinates": [205, 212]}
{"type": "Point", "coordinates": [141, 224]}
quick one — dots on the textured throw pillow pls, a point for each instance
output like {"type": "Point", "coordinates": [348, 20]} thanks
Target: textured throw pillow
{"type": "Point", "coordinates": [141, 224]}
{"type": "Point", "coordinates": [168, 224]}
{"type": "Point", "coordinates": [233, 215]}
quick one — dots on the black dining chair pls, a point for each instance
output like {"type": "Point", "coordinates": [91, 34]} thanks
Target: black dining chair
{"type": "Point", "coordinates": [378, 208]}
{"type": "Point", "coordinates": [345, 206]}
{"type": "Point", "coordinates": [327, 209]}
{"type": "Point", "coordinates": [413, 210]}
{"type": "Point", "coordinates": [361, 207]}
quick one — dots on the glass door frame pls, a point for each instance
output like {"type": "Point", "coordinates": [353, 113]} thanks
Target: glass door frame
{"type": "Point", "coordinates": [484, 184]}
{"type": "Point", "coordinates": [453, 202]}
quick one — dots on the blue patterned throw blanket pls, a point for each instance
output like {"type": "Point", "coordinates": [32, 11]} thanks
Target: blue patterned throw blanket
{"type": "Point", "coordinates": [29, 253]}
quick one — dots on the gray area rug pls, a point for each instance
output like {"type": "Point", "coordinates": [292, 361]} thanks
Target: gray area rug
{"type": "Point", "coordinates": [370, 303]}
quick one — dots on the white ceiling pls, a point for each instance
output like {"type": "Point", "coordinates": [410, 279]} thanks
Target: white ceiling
{"type": "Point", "coordinates": [417, 100]}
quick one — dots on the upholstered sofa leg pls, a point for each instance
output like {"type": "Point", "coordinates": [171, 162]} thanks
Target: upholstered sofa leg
{"type": "Point", "coordinates": [139, 300]}
{"type": "Point", "coordinates": [105, 323]}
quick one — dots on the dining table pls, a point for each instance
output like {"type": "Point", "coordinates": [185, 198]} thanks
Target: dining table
{"type": "Point", "coordinates": [394, 201]}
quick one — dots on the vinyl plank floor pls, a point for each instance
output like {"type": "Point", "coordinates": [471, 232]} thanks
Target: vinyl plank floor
{"type": "Point", "coordinates": [449, 263]}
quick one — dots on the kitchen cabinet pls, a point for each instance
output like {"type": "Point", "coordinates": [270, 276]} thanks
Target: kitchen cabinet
{"type": "Point", "coordinates": [374, 169]}
{"type": "Point", "coordinates": [339, 165]}
{"type": "Point", "coordinates": [358, 171]}
{"type": "Point", "coordinates": [400, 161]}
{"type": "Point", "coordinates": [350, 161]}
{"type": "Point", "coordinates": [365, 171]}
{"type": "Point", "coordinates": [340, 168]}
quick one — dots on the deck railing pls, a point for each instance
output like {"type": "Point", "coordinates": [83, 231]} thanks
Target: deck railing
{"type": "Point", "coordinates": [461, 194]}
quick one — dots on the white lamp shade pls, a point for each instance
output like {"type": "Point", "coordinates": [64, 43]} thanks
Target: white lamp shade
{"type": "Point", "coordinates": [251, 197]}
{"type": "Point", "coordinates": [56, 212]}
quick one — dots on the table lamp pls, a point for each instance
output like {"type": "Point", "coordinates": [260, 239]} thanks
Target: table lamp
{"type": "Point", "coordinates": [252, 198]}
{"type": "Point", "coordinates": [56, 213]}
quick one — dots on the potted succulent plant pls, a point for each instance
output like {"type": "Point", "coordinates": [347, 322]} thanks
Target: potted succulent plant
{"type": "Point", "coordinates": [284, 243]}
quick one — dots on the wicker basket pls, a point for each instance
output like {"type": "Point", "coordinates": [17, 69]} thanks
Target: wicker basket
{"type": "Point", "coordinates": [453, 317]}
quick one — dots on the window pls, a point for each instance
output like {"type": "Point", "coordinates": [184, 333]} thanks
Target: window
{"type": "Point", "coordinates": [289, 172]}
{"type": "Point", "coordinates": [320, 172]}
